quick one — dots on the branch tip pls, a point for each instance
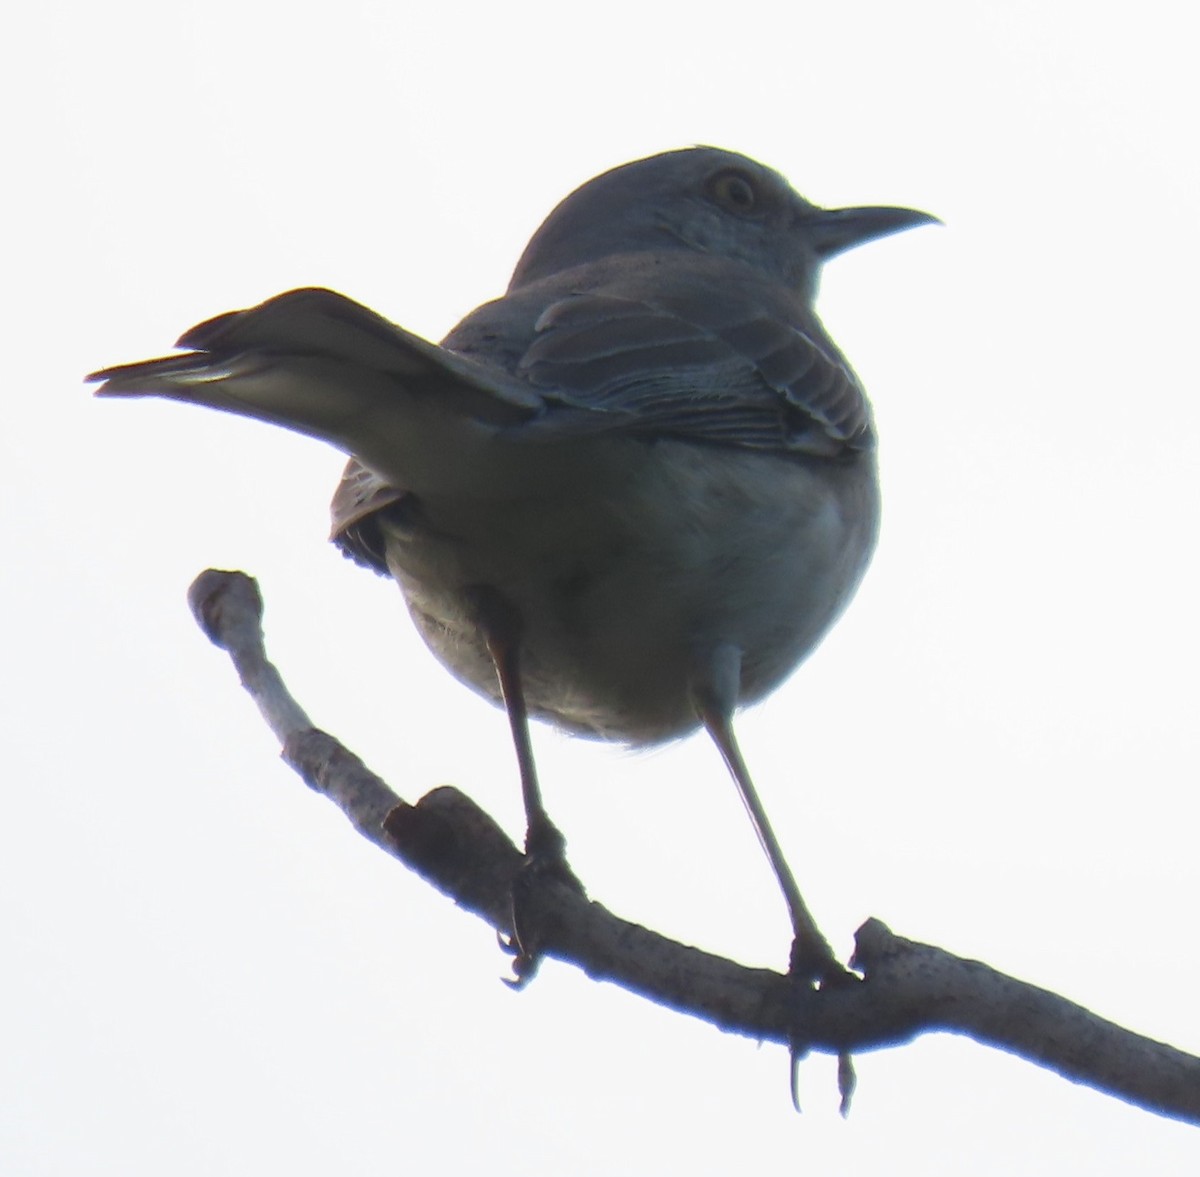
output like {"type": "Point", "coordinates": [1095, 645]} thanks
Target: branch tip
{"type": "Point", "coordinates": [224, 601]}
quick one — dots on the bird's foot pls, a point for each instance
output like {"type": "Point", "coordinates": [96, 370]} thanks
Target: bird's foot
{"type": "Point", "coordinates": [545, 864]}
{"type": "Point", "coordinates": [814, 971]}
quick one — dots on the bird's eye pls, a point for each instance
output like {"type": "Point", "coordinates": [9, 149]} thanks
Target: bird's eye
{"type": "Point", "coordinates": [733, 191]}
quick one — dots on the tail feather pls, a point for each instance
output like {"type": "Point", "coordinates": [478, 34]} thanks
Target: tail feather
{"type": "Point", "coordinates": [314, 361]}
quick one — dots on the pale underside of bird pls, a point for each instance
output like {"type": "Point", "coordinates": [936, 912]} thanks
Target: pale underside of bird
{"type": "Point", "coordinates": [627, 497]}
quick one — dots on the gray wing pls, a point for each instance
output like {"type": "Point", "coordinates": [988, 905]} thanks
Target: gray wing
{"type": "Point", "coordinates": [702, 365]}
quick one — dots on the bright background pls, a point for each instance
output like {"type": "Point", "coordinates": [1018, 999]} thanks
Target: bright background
{"type": "Point", "coordinates": [206, 972]}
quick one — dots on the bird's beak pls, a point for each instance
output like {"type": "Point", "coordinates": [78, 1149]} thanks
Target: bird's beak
{"type": "Point", "coordinates": [833, 230]}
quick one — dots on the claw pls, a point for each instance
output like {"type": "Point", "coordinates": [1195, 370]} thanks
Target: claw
{"type": "Point", "coordinates": [847, 1082]}
{"type": "Point", "coordinates": [813, 972]}
{"type": "Point", "coordinates": [524, 944]}
{"type": "Point", "coordinates": [524, 964]}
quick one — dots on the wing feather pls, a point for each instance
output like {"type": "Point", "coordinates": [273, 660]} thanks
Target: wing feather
{"type": "Point", "coordinates": [712, 369]}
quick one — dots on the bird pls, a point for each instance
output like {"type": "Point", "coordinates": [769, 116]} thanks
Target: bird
{"type": "Point", "coordinates": [629, 496]}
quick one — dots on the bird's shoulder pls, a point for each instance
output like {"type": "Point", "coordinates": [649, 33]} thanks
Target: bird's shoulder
{"type": "Point", "coordinates": [678, 344]}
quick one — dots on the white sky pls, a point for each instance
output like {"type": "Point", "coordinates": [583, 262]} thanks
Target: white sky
{"type": "Point", "coordinates": [207, 972]}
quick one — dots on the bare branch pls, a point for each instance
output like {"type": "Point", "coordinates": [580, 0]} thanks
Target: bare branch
{"type": "Point", "coordinates": [906, 988]}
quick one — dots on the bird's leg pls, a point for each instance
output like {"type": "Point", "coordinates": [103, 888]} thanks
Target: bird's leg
{"type": "Point", "coordinates": [545, 846]}
{"type": "Point", "coordinates": [501, 627]}
{"type": "Point", "coordinates": [716, 697]}
{"type": "Point", "coordinates": [811, 957]}
{"type": "Point", "coordinates": [811, 962]}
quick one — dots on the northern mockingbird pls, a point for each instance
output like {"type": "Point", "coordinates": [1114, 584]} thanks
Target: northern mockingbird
{"type": "Point", "coordinates": [627, 497]}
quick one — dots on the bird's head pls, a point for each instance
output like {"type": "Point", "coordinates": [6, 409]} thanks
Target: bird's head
{"type": "Point", "coordinates": [708, 200]}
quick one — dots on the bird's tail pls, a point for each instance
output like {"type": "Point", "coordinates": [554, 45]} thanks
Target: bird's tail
{"type": "Point", "coordinates": [319, 363]}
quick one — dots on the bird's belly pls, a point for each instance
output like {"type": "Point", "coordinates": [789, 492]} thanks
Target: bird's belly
{"type": "Point", "coordinates": [628, 574]}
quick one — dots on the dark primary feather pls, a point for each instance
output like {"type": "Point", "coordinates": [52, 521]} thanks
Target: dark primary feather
{"type": "Point", "coordinates": [360, 497]}
{"type": "Point", "coordinates": [754, 383]}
